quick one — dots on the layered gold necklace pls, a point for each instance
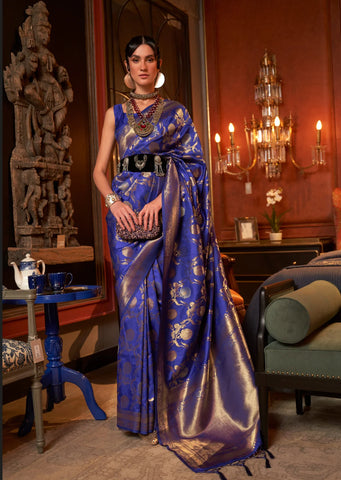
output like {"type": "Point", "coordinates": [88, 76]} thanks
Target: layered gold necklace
{"type": "Point", "coordinates": [146, 123]}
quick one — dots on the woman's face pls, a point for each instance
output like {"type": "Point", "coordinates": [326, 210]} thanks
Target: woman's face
{"type": "Point", "coordinates": [143, 67]}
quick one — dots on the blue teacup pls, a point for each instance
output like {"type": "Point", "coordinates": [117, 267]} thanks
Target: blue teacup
{"type": "Point", "coordinates": [58, 281]}
{"type": "Point", "coordinates": [38, 282]}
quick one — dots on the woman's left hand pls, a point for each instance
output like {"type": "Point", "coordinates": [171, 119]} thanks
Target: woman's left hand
{"type": "Point", "coordinates": [149, 215]}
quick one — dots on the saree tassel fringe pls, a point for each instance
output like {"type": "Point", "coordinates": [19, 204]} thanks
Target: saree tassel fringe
{"type": "Point", "coordinates": [236, 464]}
{"type": "Point", "coordinates": [248, 471]}
{"type": "Point", "coordinates": [264, 454]}
{"type": "Point", "coordinates": [271, 455]}
{"type": "Point", "coordinates": [267, 461]}
{"type": "Point", "coordinates": [221, 475]}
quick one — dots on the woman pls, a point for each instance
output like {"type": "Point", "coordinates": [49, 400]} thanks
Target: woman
{"type": "Point", "coordinates": [183, 365]}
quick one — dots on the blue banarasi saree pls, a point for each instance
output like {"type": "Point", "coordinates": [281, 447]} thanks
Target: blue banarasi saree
{"type": "Point", "coordinates": [183, 364]}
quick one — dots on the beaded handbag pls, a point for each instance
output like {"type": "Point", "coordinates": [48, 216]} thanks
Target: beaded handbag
{"type": "Point", "coordinates": [139, 233]}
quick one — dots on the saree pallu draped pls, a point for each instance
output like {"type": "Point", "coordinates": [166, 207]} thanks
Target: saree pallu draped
{"type": "Point", "coordinates": [183, 364]}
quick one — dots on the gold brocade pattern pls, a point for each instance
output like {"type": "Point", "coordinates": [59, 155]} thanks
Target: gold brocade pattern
{"type": "Point", "coordinates": [182, 353]}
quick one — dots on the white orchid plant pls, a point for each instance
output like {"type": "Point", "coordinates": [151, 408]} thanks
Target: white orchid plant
{"type": "Point", "coordinates": [274, 196]}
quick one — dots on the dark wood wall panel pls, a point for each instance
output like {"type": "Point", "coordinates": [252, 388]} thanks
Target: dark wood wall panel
{"type": "Point", "coordinates": [68, 44]}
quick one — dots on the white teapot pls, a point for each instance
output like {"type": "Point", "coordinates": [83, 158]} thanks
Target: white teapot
{"type": "Point", "coordinates": [28, 266]}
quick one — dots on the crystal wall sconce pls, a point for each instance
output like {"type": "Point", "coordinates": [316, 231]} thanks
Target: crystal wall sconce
{"type": "Point", "coordinates": [269, 140]}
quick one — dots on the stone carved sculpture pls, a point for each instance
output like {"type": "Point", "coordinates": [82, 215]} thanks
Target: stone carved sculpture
{"type": "Point", "coordinates": [40, 90]}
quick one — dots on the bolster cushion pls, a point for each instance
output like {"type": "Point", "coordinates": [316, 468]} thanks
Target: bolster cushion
{"type": "Point", "coordinates": [292, 317]}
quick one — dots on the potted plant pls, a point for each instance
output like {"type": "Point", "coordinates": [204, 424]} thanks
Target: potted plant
{"type": "Point", "coordinates": [274, 196]}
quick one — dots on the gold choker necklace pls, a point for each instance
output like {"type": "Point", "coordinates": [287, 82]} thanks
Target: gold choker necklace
{"type": "Point", "coordinates": [143, 96]}
{"type": "Point", "coordinates": [146, 123]}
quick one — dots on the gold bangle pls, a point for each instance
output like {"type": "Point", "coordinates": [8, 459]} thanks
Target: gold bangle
{"type": "Point", "coordinates": [111, 198]}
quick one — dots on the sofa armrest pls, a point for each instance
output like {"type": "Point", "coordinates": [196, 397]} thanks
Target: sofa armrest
{"type": "Point", "coordinates": [239, 305]}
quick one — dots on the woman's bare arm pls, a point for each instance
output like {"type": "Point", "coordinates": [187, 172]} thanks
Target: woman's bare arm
{"type": "Point", "coordinates": [124, 215]}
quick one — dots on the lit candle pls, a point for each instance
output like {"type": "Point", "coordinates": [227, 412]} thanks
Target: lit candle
{"type": "Point", "coordinates": [217, 140]}
{"type": "Point", "coordinates": [277, 124]}
{"type": "Point", "coordinates": [318, 131]}
{"type": "Point", "coordinates": [231, 130]}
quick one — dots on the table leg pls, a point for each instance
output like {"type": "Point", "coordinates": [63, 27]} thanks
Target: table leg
{"type": "Point", "coordinates": [52, 378]}
{"type": "Point", "coordinates": [46, 382]}
{"type": "Point", "coordinates": [56, 373]}
{"type": "Point", "coordinates": [83, 383]}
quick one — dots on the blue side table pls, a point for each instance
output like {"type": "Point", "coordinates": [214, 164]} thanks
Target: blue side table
{"type": "Point", "coordinates": [56, 374]}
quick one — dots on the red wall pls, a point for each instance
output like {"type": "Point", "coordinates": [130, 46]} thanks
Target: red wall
{"type": "Point", "coordinates": [305, 37]}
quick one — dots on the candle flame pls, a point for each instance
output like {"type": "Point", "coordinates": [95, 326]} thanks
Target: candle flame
{"type": "Point", "coordinates": [319, 125]}
{"type": "Point", "coordinates": [217, 138]}
{"type": "Point", "coordinates": [231, 127]}
{"type": "Point", "coordinates": [277, 122]}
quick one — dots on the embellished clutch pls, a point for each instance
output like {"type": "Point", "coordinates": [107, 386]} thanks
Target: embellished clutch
{"type": "Point", "coordinates": [139, 233]}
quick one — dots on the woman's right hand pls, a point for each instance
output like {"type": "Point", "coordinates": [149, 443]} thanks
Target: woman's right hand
{"type": "Point", "coordinates": [124, 215]}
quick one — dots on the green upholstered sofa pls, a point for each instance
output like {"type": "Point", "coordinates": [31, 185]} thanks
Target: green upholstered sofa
{"type": "Point", "coordinates": [299, 343]}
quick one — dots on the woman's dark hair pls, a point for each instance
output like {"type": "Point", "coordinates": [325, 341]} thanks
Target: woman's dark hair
{"type": "Point", "coordinates": [135, 42]}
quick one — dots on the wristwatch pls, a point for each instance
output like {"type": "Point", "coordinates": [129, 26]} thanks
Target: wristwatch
{"type": "Point", "coordinates": [111, 198]}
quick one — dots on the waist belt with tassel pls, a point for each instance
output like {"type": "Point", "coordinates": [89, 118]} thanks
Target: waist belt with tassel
{"type": "Point", "coordinates": [144, 162]}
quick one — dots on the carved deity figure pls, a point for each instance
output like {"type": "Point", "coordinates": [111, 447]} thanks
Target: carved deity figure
{"type": "Point", "coordinates": [33, 204]}
{"type": "Point", "coordinates": [65, 202]}
{"type": "Point", "coordinates": [40, 90]}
